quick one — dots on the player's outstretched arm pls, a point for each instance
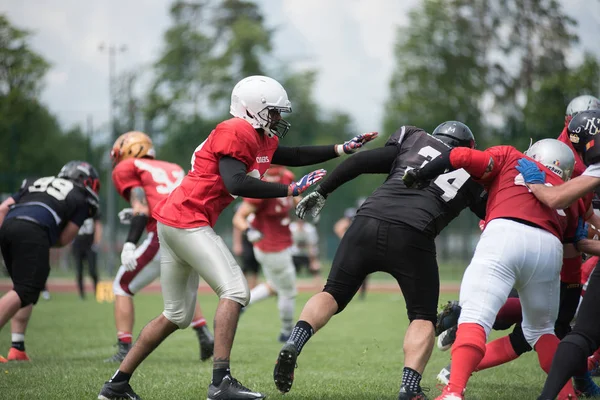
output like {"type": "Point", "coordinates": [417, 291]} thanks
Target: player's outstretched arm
{"type": "Point", "coordinates": [240, 222]}
{"type": "Point", "coordinates": [309, 155]}
{"type": "Point", "coordinates": [141, 211]}
{"type": "Point", "coordinates": [238, 183]}
{"type": "Point", "coordinates": [558, 197]}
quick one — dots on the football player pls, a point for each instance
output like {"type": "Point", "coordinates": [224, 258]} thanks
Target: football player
{"type": "Point", "coordinates": [305, 250]}
{"type": "Point", "coordinates": [585, 337]}
{"type": "Point", "coordinates": [520, 247]}
{"type": "Point", "coordinates": [272, 239]}
{"type": "Point", "coordinates": [85, 247]}
{"type": "Point", "coordinates": [143, 181]}
{"type": "Point", "coordinates": [45, 213]}
{"type": "Point", "coordinates": [243, 249]}
{"type": "Point", "coordinates": [228, 163]}
{"type": "Point", "coordinates": [394, 223]}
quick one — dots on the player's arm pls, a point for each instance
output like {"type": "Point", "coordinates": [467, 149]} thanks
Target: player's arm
{"type": "Point", "coordinates": [309, 155]}
{"type": "Point", "coordinates": [341, 226]}
{"type": "Point", "coordinates": [5, 207]}
{"type": "Point", "coordinates": [238, 183]}
{"type": "Point", "coordinates": [237, 242]}
{"type": "Point", "coordinates": [98, 230]}
{"type": "Point", "coordinates": [240, 218]}
{"type": "Point", "coordinates": [68, 234]}
{"type": "Point", "coordinates": [141, 214]}
{"type": "Point", "coordinates": [562, 196]}
{"type": "Point", "coordinates": [589, 246]}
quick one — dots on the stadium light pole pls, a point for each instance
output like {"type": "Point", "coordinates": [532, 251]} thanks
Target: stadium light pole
{"type": "Point", "coordinates": [111, 196]}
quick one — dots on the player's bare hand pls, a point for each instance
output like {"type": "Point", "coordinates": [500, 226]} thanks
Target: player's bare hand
{"type": "Point", "coordinates": [358, 141]}
{"type": "Point", "coordinates": [296, 188]}
{"type": "Point", "coordinates": [128, 257]}
{"type": "Point", "coordinates": [311, 204]}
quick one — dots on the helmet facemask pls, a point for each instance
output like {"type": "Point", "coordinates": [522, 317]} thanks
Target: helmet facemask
{"type": "Point", "coordinates": [270, 119]}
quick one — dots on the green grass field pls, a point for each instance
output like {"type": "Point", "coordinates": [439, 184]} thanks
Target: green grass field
{"type": "Point", "coordinates": [357, 356]}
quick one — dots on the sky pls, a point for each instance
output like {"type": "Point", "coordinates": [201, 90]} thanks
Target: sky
{"type": "Point", "coordinates": [349, 42]}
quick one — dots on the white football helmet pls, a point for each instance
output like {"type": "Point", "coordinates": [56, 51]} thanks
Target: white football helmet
{"type": "Point", "coordinates": [554, 155]}
{"type": "Point", "coordinates": [260, 100]}
{"type": "Point", "coordinates": [579, 104]}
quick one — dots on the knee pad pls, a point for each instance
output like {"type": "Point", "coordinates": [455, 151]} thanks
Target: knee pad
{"type": "Point", "coordinates": [27, 294]}
{"type": "Point", "coordinates": [518, 341]}
{"type": "Point", "coordinates": [237, 291]}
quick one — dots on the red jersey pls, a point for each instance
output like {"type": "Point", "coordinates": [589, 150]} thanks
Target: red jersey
{"type": "Point", "coordinates": [272, 219]}
{"type": "Point", "coordinates": [202, 195]}
{"type": "Point", "coordinates": [158, 178]}
{"type": "Point", "coordinates": [509, 199]}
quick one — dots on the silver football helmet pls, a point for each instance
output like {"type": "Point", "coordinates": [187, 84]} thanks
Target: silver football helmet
{"type": "Point", "coordinates": [579, 104]}
{"type": "Point", "coordinates": [554, 155]}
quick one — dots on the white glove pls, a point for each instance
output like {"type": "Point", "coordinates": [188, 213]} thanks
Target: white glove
{"type": "Point", "coordinates": [125, 216]}
{"type": "Point", "coordinates": [253, 235]}
{"type": "Point", "coordinates": [311, 204]}
{"type": "Point", "coordinates": [128, 258]}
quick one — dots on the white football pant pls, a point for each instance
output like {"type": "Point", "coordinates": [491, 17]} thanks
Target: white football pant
{"type": "Point", "coordinates": [186, 255]}
{"type": "Point", "coordinates": [510, 254]}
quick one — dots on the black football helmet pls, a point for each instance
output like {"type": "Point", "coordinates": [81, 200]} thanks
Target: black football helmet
{"type": "Point", "coordinates": [582, 130]}
{"type": "Point", "coordinates": [455, 134]}
{"type": "Point", "coordinates": [83, 174]}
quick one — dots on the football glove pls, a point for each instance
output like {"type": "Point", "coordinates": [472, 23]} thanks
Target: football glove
{"type": "Point", "coordinates": [306, 181]}
{"type": "Point", "coordinates": [253, 235]}
{"type": "Point", "coordinates": [128, 258]}
{"type": "Point", "coordinates": [125, 216]}
{"type": "Point", "coordinates": [530, 171]}
{"type": "Point", "coordinates": [412, 180]}
{"type": "Point", "coordinates": [358, 141]}
{"type": "Point", "coordinates": [582, 230]}
{"type": "Point", "coordinates": [313, 204]}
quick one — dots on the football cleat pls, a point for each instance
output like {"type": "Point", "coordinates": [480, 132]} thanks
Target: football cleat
{"type": "Point", "coordinates": [231, 389]}
{"type": "Point", "coordinates": [407, 394]}
{"type": "Point", "coordinates": [447, 338]}
{"type": "Point", "coordinates": [585, 386]}
{"type": "Point", "coordinates": [116, 391]}
{"type": "Point", "coordinates": [3, 360]}
{"type": "Point", "coordinates": [17, 355]}
{"type": "Point", "coordinates": [448, 395]}
{"type": "Point", "coordinates": [448, 317]}
{"type": "Point", "coordinates": [121, 352]}
{"type": "Point", "coordinates": [207, 342]}
{"type": "Point", "coordinates": [283, 337]}
{"type": "Point", "coordinates": [593, 366]}
{"type": "Point", "coordinates": [283, 374]}
{"type": "Point", "coordinates": [444, 376]}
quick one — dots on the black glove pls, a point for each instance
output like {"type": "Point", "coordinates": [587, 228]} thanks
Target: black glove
{"type": "Point", "coordinates": [413, 180]}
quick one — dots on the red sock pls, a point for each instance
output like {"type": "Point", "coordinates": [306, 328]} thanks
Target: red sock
{"type": "Point", "coordinates": [545, 348]}
{"type": "Point", "coordinates": [124, 337]}
{"type": "Point", "coordinates": [467, 352]}
{"type": "Point", "coordinates": [497, 352]}
{"type": "Point", "coordinates": [593, 360]}
{"type": "Point", "coordinates": [198, 323]}
{"type": "Point", "coordinates": [510, 313]}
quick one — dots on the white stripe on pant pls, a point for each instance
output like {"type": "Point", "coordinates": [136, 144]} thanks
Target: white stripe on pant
{"type": "Point", "coordinates": [510, 254]}
{"type": "Point", "coordinates": [187, 254]}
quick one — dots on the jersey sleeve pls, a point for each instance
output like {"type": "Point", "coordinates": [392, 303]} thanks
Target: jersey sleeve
{"type": "Point", "coordinates": [593, 171]}
{"type": "Point", "coordinates": [234, 142]}
{"type": "Point", "coordinates": [125, 178]}
{"type": "Point", "coordinates": [22, 190]}
{"type": "Point", "coordinates": [479, 163]}
{"type": "Point", "coordinates": [401, 134]}
{"type": "Point", "coordinates": [82, 211]}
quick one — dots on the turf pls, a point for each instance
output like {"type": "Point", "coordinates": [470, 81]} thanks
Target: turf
{"type": "Point", "coordinates": [357, 356]}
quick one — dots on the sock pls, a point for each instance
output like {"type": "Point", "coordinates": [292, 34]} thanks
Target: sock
{"type": "Point", "coordinates": [300, 334]}
{"type": "Point", "coordinates": [124, 337]}
{"type": "Point", "coordinates": [546, 348]}
{"type": "Point", "coordinates": [510, 313]}
{"type": "Point", "coordinates": [286, 307]}
{"type": "Point", "coordinates": [120, 377]}
{"type": "Point", "coordinates": [18, 341]}
{"type": "Point", "coordinates": [593, 360]}
{"type": "Point", "coordinates": [467, 352]}
{"type": "Point", "coordinates": [411, 379]}
{"type": "Point", "coordinates": [220, 371]}
{"type": "Point", "coordinates": [260, 292]}
{"type": "Point", "coordinates": [198, 323]}
{"type": "Point", "coordinates": [497, 352]}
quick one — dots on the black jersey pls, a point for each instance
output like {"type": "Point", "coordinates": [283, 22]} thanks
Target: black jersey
{"type": "Point", "coordinates": [428, 210]}
{"type": "Point", "coordinates": [52, 202]}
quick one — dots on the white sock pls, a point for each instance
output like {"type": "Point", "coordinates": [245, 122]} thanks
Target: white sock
{"type": "Point", "coordinates": [286, 307]}
{"type": "Point", "coordinates": [18, 337]}
{"type": "Point", "coordinates": [260, 292]}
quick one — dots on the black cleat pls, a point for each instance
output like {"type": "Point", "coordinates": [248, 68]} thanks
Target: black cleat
{"type": "Point", "coordinates": [207, 342]}
{"type": "Point", "coordinates": [448, 317]}
{"type": "Point", "coordinates": [283, 374]}
{"type": "Point", "coordinates": [120, 354]}
{"type": "Point", "coordinates": [116, 391]}
{"type": "Point", "coordinates": [407, 394]}
{"type": "Point", "coordinates": [447, 338]}
{"type": "Point", "coordinates": [231, 389]}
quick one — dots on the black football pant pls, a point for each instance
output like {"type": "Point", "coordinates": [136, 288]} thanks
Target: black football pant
{"type": "Point", "coordinates": [91, 257]}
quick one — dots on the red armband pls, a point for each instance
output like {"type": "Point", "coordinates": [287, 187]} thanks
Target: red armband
{"type": "Point", "coordinates": [571, 270]}
{"type": "Point", "coordinates": [475, 162]}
